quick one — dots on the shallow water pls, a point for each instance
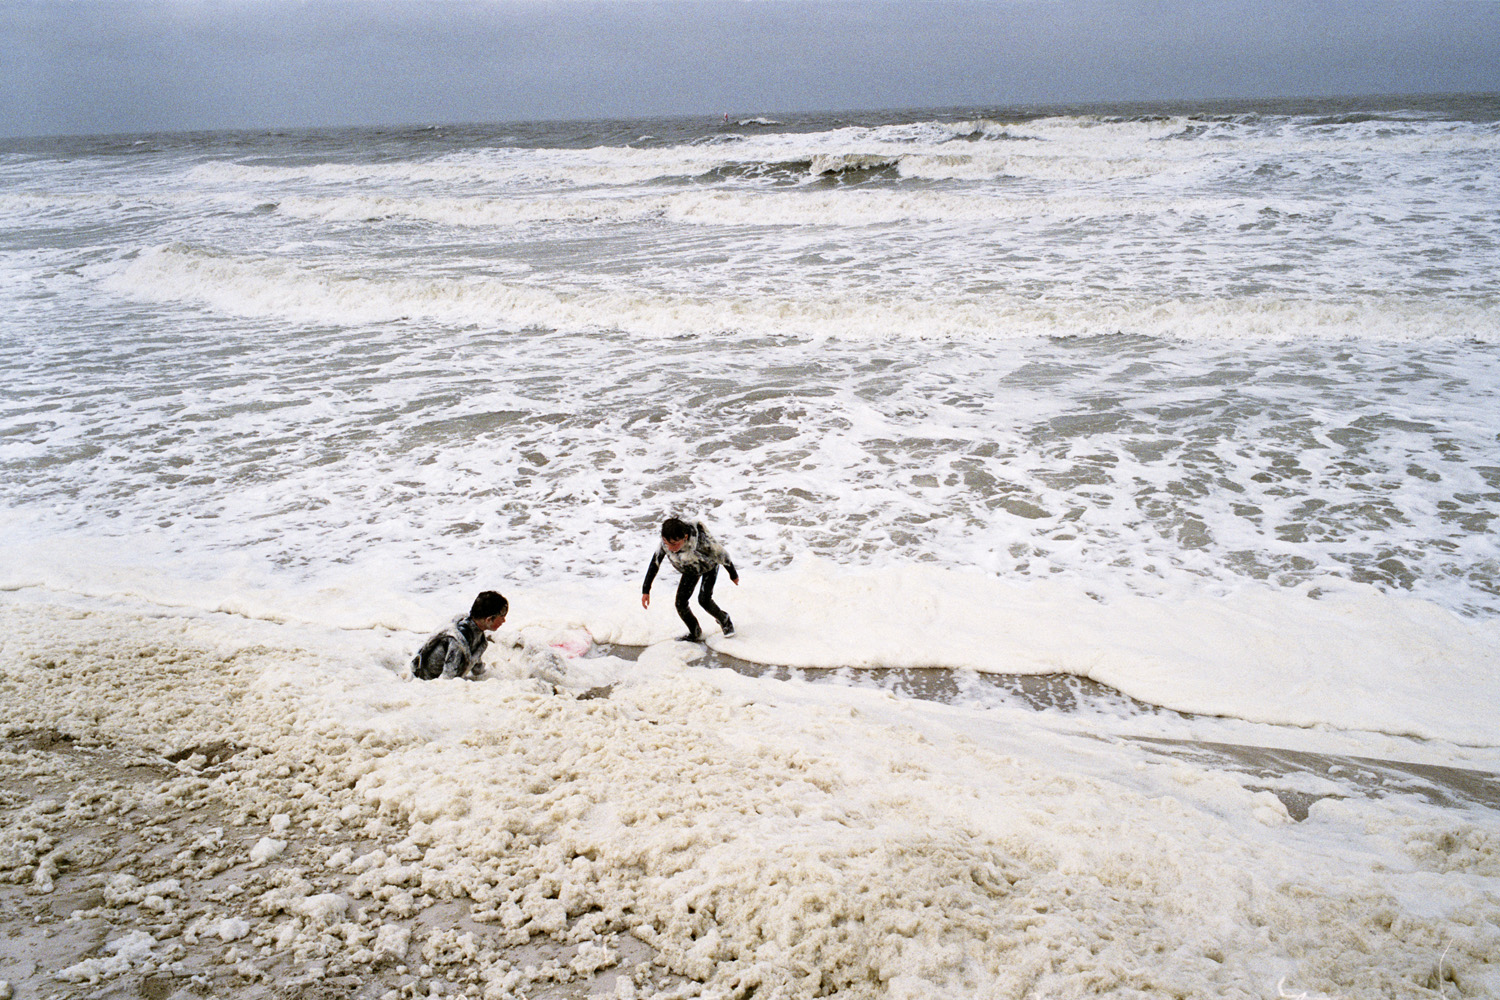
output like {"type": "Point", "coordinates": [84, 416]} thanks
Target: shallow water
{"type": "Point", "coordinates": [958, 389]}
{"type": "Point", "coordinates": [1156, 347]}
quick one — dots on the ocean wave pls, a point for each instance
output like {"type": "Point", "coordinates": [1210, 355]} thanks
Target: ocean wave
{"type": "Point", "coordinates": [851, 163]}
{"type": "Point", "coordinates": [720, 208]}
{"type": "Point", "coordinates": [21, 208]}
{"type": "Point", "coordinates": [613, 167]}
{"type": "Point", "coordinates": [260, 286]}
{"type": "Point", "coordinates": [1064, 149]}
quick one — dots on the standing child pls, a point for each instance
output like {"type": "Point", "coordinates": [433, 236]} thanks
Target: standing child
{"type": "Point", "coordinates": [455, 651]}
{"type": "Point", "coordinates": [694, 552]}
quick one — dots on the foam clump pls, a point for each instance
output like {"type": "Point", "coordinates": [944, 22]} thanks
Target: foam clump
{"type": "Point", "coordinates": [267, 849]}
{"type": "Point", "coordinates": [230, 929]}
{"type": "Point", "coordinates": [131, 949]}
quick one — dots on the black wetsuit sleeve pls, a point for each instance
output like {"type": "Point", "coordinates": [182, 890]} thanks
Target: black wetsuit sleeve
{"type": "Point", "coordinates": [651, 569]}
{"type": "Point", "coordinates": [729, 565]}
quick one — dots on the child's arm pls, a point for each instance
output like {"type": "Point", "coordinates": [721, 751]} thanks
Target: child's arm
{"type": "Point", "coordinates": [661, 552]}
{"type": "Point", "coordinates": [734, 575]}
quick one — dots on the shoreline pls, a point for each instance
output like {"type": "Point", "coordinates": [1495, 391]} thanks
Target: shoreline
{"type": "Point", "coordinates": [1371, 777]}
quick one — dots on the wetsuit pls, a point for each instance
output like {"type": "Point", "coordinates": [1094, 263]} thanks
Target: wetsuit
{"type": "Point", "coordinates": [453, 652]}
{"type": "Point", "coordinates": [698, 559]}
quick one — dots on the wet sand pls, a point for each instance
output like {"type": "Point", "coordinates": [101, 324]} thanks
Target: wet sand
{"type": "Point", "coordinates": [133, 844]}
{"type": "Point", "coordinates": [1369, 776]}
{"type": "Point", "coordinates": [158, 842]}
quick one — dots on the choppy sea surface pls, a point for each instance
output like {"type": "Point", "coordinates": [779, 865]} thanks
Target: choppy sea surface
{"type": "Point", "coordinates": [1179, 422]}
{"type": "Point", "coordinates": [1161, 353]}
{"type": "Point", "coordinates": [1164, 346]}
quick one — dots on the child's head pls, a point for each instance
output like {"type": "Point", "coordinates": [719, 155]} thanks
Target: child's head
{"type": "Point", "coordinates": [674, 533]}
{"type": "Point", "coordinates": [489, 610]}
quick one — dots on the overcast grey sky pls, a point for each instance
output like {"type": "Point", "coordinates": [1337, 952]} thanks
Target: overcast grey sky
{"type": "Point", "coordinates": [85, 66]}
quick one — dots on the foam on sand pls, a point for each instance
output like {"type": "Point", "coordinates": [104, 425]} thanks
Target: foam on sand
{"type": "Point", "coordinates": [790, 838]}
{"type": "Point", "coordinates": [1352, 658]}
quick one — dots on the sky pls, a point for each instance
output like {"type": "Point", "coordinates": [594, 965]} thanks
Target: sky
{"type": "Point", "coordinates": [104, 66]}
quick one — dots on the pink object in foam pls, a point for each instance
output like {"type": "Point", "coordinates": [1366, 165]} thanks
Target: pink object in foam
{"type": "Point", "coordinates": [573, 643]}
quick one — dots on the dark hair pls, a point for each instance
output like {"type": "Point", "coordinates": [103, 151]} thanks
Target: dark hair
{"type": "Point", "coordinates": [672, 529]}
{"type": "Point", "coordinates": [488, 604]}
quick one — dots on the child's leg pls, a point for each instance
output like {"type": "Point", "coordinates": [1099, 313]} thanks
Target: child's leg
{"type": "Point", "coordinates": [684, 592]}
{"type": "Point", "coordinates": [706, 599]}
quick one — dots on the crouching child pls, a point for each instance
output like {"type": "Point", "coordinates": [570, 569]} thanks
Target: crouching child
{"type": "Point", "coordinates": [456, 650]}
{"type": "Point", "coordinates": [691, 549]}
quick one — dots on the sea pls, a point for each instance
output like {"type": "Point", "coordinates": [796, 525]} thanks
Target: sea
{"type": "Point", "coordinates": [1169, 431]}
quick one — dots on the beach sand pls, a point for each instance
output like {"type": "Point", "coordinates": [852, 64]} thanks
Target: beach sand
{"type": "Point", "coordinates": [162, 837]}
{"type": "Point", "coordinates": [172, 829]}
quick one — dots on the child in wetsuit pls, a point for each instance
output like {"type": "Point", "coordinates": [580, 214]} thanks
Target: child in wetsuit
{"type": "Point", "coordinates": [456, 650]}
{"type": "Point", "coordinates": [693, 551]}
